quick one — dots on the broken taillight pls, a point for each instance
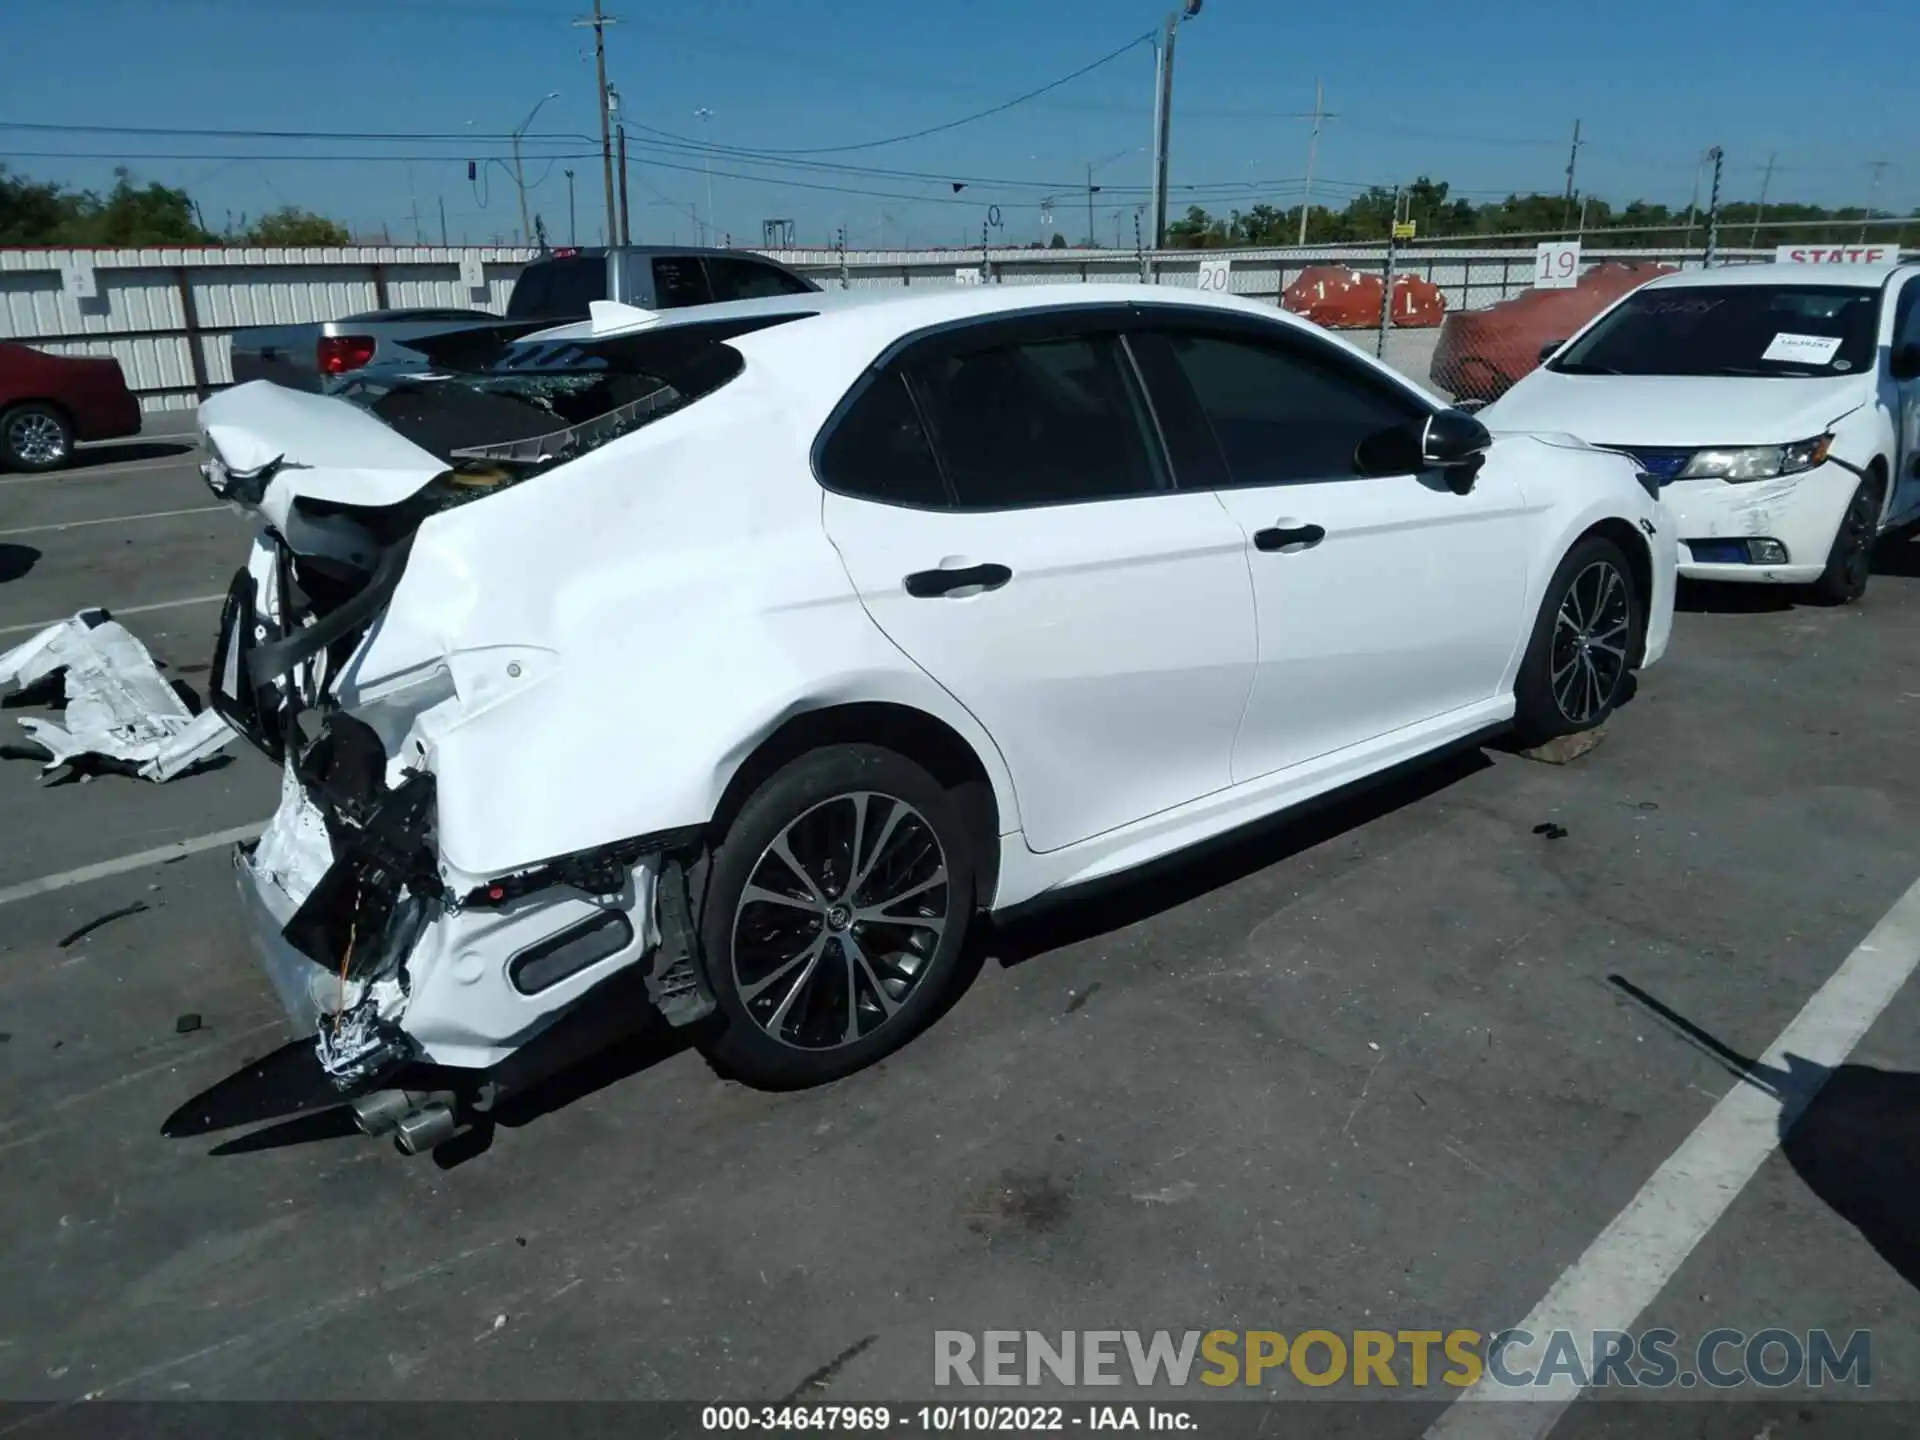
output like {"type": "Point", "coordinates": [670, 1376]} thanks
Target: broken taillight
{"type": "Point", "coordinates": [341, 353]}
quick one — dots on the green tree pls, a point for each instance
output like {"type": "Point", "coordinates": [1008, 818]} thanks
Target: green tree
{"type": "Point", "coordinates": [1058, 242]}
{"type": "Point", "coordinates": [292, 227]}
{"type": "Point", "coordinates": [47, 213]}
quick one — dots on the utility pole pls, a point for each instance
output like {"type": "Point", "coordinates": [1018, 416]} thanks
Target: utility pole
{"type": "Point", "coordinates": [443, 222]}
{"type": "Point", "coordinates": [1716, 155]}
{"type": "Point", "coordinates": [704, 115]}
{"type": "Point", "coordinates": [413, 199]}
{"type": "Point", "coordinates": [1879, 168]}
{"type": "Point", "coordinates": [626, 232]}
{"type": "Point", "coordinates": [1313, 149]}
{"type": "Point", "coordinates": [1760, 211]}
{"type": "Point", "coordinates": [1091, 240]}
{"type": "Point", "coordinates": [573, 233]}
{"type": "Point", "coordinates": [1573, 161]}
{"type": "Point", "coordinates": [1163, 115]}
{"type": "Point", "coordinates": [599, 22]}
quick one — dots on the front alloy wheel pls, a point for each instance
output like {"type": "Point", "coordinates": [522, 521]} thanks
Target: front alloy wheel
{"type": "Point", "coordinates": [1590, 634]}
{"type": "Point", "coordinates": [1586, 638]}
{"type": "Point", "coordinates": [1850, 562]}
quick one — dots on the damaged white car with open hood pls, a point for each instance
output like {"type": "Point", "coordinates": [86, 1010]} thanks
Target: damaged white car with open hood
{"type": "Point", "coordinates": [754, 650]}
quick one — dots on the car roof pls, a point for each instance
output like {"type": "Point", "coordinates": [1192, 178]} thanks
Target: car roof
{"type": "Point", "coordinates": [890, 314]}
{"type": "Point", "coordinates": [1857, 277]}
{"type": "Point", "coordinates": [575, 252]}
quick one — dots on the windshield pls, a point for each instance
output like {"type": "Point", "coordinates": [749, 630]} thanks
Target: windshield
{"type": "Point", "coordinates": [1768, 330]}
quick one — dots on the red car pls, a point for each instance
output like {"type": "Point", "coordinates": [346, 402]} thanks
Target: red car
{"type": "Point", "coordinates": [49, 401]}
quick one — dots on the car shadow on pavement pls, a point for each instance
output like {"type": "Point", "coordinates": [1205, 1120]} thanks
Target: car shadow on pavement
{"type": "Point", "coordinates": [1898, 554]}
{"type": "Point", "coordinates": [16, 561]}
{"type": "Point", "coordinates": [88, 456]}
{"type": "Point", "coordinates": [1850, 1132]}
{"type": "Point", "coordinates": [1719, 597]}
{"type": "Point", "coordinates": [1103, 906]}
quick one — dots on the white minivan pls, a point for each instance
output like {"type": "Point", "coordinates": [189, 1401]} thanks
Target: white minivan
{"type": "Point", "coordinates": [1777, 405]}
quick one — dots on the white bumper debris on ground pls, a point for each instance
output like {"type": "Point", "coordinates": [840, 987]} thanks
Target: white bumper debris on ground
{"type": "Point", "coordinates": [119, 709]}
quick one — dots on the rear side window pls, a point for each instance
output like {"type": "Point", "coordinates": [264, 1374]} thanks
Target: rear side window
{"type": "Point", "coordinates": [1050, 422]}
{"type": "Point", "coordinates": [559, 288]}
{"type": "Point", "coordinates": [749, 280]}
{"type": "Point", "coordinates": [1281, 413]}
{"type": "Point", "coordinates": [879, 451]}
{"type": "Point", "coordinates": [679, 280]}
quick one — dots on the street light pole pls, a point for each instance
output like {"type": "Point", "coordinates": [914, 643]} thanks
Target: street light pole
{"type": "Point", "coordinates": [573, 232]}
{"type": "Point", "coordinates": [519, 178]}
{"type": "Point", "coordinates": [703, 115]}
{"type": "Point", "coordinates": [1163, 116]}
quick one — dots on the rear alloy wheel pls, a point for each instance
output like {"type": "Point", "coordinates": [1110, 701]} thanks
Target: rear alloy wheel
{"type": "Point", "coordinates": [35, 437]}
{"type": "Point", "coordinates": [1578, 662]}
{"type": "Point", "coordinates": [1850, 562]}
{"type": "Point", "coordinates": [834, 919]}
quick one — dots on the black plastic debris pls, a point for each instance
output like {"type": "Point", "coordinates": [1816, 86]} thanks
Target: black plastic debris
{"type": "Point", "coordinates": [1552, 831]}
{"type": "Point", "coordinates": [99, 920]}
{"type": "Point", "coordinates": [186, 1024]}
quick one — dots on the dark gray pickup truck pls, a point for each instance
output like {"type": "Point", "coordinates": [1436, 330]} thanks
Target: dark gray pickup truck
{"type": "Point", "coordinates": [557, 287]}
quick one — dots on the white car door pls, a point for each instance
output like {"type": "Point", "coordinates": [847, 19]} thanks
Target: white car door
{"type": "Point", "coordinates": [1906, 419]}
{"type": "Point", "coordinates": [1381, 601]}
{"type": "Point", "coordinates": [1098, 623]}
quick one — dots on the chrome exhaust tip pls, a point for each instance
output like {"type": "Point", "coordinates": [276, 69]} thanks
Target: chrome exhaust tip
{"type": "Point", "coordinates": [418, 1131]}
{"type": "Point", "coordinates": [378, 1112]}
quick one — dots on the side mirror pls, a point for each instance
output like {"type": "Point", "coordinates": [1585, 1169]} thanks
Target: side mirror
{"type": "Point", "coordinates": [1450, 440]}
{"type": "Point", "coordinates": [1905, 364]}
{"type": "Point", "coordinates": [1546, 350]}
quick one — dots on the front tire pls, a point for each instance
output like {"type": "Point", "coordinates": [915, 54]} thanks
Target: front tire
{"type": "Point", "coordinates": [835, 917]}
{"type": "Point", "coordinates": [35, 437]}
{"type": "Point", "coordinates": [1584, 643]}
{"type": "Point", "coordinates": [1850, 561]}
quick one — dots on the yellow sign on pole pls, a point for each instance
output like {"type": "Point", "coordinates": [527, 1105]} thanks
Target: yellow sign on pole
{"type": "Point", "coordinates": [1404, 229]}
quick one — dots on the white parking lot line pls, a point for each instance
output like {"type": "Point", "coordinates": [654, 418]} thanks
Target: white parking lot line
{"type": "Point", "coordinates": [1631, 1262]}
{"type": "Point", "coordinates": [90, 472]}
{"type": "Point", "coordinates": [140, 859]}
{"type": "Point", "coordinates": [119, 610]}
{"type": "Point", "coordinates": [114, 520]}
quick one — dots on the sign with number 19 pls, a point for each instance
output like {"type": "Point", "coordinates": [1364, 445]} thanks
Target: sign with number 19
{"type": "Point", "coordinates": [1556, 265]}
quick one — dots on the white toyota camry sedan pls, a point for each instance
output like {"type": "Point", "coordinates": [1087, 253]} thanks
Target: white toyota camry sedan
{"type": "Point", "coordinates": [756, 650]}
{"type": "Point", "coordinates": [1779, 406]}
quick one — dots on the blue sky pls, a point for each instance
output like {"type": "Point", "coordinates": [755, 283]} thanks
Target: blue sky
{"type": "Point", "coordinates": [1483, 93]}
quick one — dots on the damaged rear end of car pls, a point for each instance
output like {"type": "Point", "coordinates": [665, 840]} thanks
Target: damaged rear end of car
{"type": "Point", "coordinates": [349, 653]}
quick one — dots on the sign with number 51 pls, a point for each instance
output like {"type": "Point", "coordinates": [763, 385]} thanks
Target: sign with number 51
{"type": "Point", "coordinates": [1556, 265]}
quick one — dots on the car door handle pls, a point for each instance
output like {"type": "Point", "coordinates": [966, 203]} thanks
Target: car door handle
{"type": "Point", "coordinates": [1288, 537]}
{"type": "Point", "coordinates": [928, 584]}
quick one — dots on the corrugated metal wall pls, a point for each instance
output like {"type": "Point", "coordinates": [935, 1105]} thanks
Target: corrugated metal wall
{"type": "Point", "coordinates": [149, 300]}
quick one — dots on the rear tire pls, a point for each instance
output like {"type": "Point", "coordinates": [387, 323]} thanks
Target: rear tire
{"type": "Point", "coordinates": [35, 437]}
{"type": "Point", "coordinates": [1850, 561]}
{"type": "Point", "coordinates": [1585, 642]}
{"type": "Point", "coordinates": [835, 916]}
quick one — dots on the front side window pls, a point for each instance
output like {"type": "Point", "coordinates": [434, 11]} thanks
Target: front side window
{"type": "Point", "coordinates": [1907, 330]}
{"type": "Point", "coordinates": [679, 280]}
{"type": "Point", "coordinates": [1281, 414]}
{"type": "Point", "coordinates": [748, 280]}
{"type": "Point", "coordinates": [1048, 422]}
{"type": "Point", "coordinates": [1779, 331]}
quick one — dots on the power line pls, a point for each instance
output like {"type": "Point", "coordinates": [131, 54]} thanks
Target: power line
{"type": "Point", "coordinates": [1004, 105]}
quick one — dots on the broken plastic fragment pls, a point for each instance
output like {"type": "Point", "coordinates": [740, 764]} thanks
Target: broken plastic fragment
{"type": "Point", "coordinates": [118, 707]}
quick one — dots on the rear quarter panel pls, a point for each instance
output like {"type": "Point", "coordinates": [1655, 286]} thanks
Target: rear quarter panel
{"type": "Point", "coordinates": [667, 601]}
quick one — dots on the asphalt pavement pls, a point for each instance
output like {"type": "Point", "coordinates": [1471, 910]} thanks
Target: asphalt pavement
{"type": "Point", "coordinates": [1400, 1065]}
